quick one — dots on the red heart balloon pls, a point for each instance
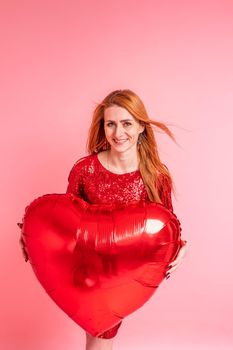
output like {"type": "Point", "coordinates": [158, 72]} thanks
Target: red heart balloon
{"type": "Point", "coordinates": [99, 263]}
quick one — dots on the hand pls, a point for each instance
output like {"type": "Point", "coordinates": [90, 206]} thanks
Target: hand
{"type": "Point", "coordinates": [176, 263]}
{"type": "Point", "coordinates": [22, 244]}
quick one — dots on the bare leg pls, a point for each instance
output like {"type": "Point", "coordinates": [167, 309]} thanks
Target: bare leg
{"type": "Point", "coordinates": [94, 343]}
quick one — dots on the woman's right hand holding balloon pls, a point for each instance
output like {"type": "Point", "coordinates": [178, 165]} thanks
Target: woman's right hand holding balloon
{"type": "Point", "coordinates": [22, 244]}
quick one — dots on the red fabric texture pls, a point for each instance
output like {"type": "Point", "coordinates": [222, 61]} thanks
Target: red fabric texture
{"type": "Point", "coordinates": [91, 181]}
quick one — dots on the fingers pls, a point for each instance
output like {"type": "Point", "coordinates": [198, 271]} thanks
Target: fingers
{"type": "Point", "coordinates": [176, 263]}
{"type": "Point", "coordinates": [23, 248]}
{"type": "Point", "coordinates": [25, 254]}
{"type": "Point", "coordinates": [20, 224]}
{"type": "Point", "coordinates": [173, 267]}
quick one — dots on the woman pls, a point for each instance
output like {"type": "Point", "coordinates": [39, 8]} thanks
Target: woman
{"type": "Point", "coordinates": [123, 165]}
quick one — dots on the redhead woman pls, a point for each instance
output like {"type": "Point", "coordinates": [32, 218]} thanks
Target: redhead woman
{"type": "Point", "coordinates": [123, 165]}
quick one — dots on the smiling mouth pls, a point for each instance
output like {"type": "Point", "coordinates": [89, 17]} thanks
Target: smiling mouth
{"type": "Point", "coordinates": [119, 142]}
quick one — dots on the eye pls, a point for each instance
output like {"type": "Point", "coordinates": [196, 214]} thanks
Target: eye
{"type": "Point", "coordinates": [127, 124]}
{"type": "Point", "coordinates": [110, 124]}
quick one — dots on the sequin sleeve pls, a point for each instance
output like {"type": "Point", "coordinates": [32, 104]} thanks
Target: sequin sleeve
{"type": "Point", "coordinates": [165, 195]}
{"type": "Point", "coordinates": [165, 192]}
{"type": "Point", "coordinates": [76, 179]}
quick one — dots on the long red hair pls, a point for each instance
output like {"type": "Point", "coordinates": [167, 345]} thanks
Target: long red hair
{"type": "Point", "coordinates": [150, 165]}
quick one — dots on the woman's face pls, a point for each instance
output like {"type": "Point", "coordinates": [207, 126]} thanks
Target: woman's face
{"type": "Point", "coordinates": [121, 129]}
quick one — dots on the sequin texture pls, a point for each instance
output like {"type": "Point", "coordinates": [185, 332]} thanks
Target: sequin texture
{"type": "Point", "coordinates": [91, 181]}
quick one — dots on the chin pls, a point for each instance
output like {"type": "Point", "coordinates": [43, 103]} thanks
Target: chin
{"type": "Point", "coordinates": [122, 149]}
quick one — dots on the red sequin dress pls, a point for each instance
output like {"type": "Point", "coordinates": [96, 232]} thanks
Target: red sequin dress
{"type": "Point", "coordinates": [90, 180]}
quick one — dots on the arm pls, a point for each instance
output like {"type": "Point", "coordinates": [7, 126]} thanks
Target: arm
{"type": "Point", "coordinates": [165, 196]}
{"type": "Point", "coordinates": [165, 192]}
{"type": "Point", "coordinates": [76, 180]}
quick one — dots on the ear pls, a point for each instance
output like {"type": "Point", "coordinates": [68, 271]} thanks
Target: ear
{"type": "Point", "coordinates": [142, 127]}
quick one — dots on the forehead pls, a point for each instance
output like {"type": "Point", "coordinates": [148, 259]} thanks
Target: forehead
{"type": "Point", "coordinates": [117, 113]}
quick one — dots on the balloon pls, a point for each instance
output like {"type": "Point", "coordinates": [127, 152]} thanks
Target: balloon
{"type": "Point", "coordinates": [99, 263]}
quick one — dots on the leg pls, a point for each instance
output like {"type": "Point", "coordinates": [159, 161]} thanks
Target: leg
{"type": "Point", "coordinates": [94, 343]}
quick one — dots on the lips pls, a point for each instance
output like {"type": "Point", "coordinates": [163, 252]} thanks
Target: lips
{"type": "Point", "coordinates": [120, 142]}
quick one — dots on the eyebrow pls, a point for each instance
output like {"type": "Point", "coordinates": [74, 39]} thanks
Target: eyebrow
{"type": "Point", "coordinates": [123, 120]}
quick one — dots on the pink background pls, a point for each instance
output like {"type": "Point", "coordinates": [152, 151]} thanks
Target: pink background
{"type": "Point", "coordinates": [58, 59]}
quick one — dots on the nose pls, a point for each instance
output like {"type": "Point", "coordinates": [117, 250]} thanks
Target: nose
{"type": "Point", "coordinates": [119, 130]}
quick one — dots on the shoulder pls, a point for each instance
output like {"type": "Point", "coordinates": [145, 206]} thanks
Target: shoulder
{"type": "Point", "coordinates": [82, 165]}
{"type": "Point", "coordinates": [84, 160]}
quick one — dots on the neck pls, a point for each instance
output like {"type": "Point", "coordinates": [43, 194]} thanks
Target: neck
{"type": "Point", "coordinates": [122, 162]}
